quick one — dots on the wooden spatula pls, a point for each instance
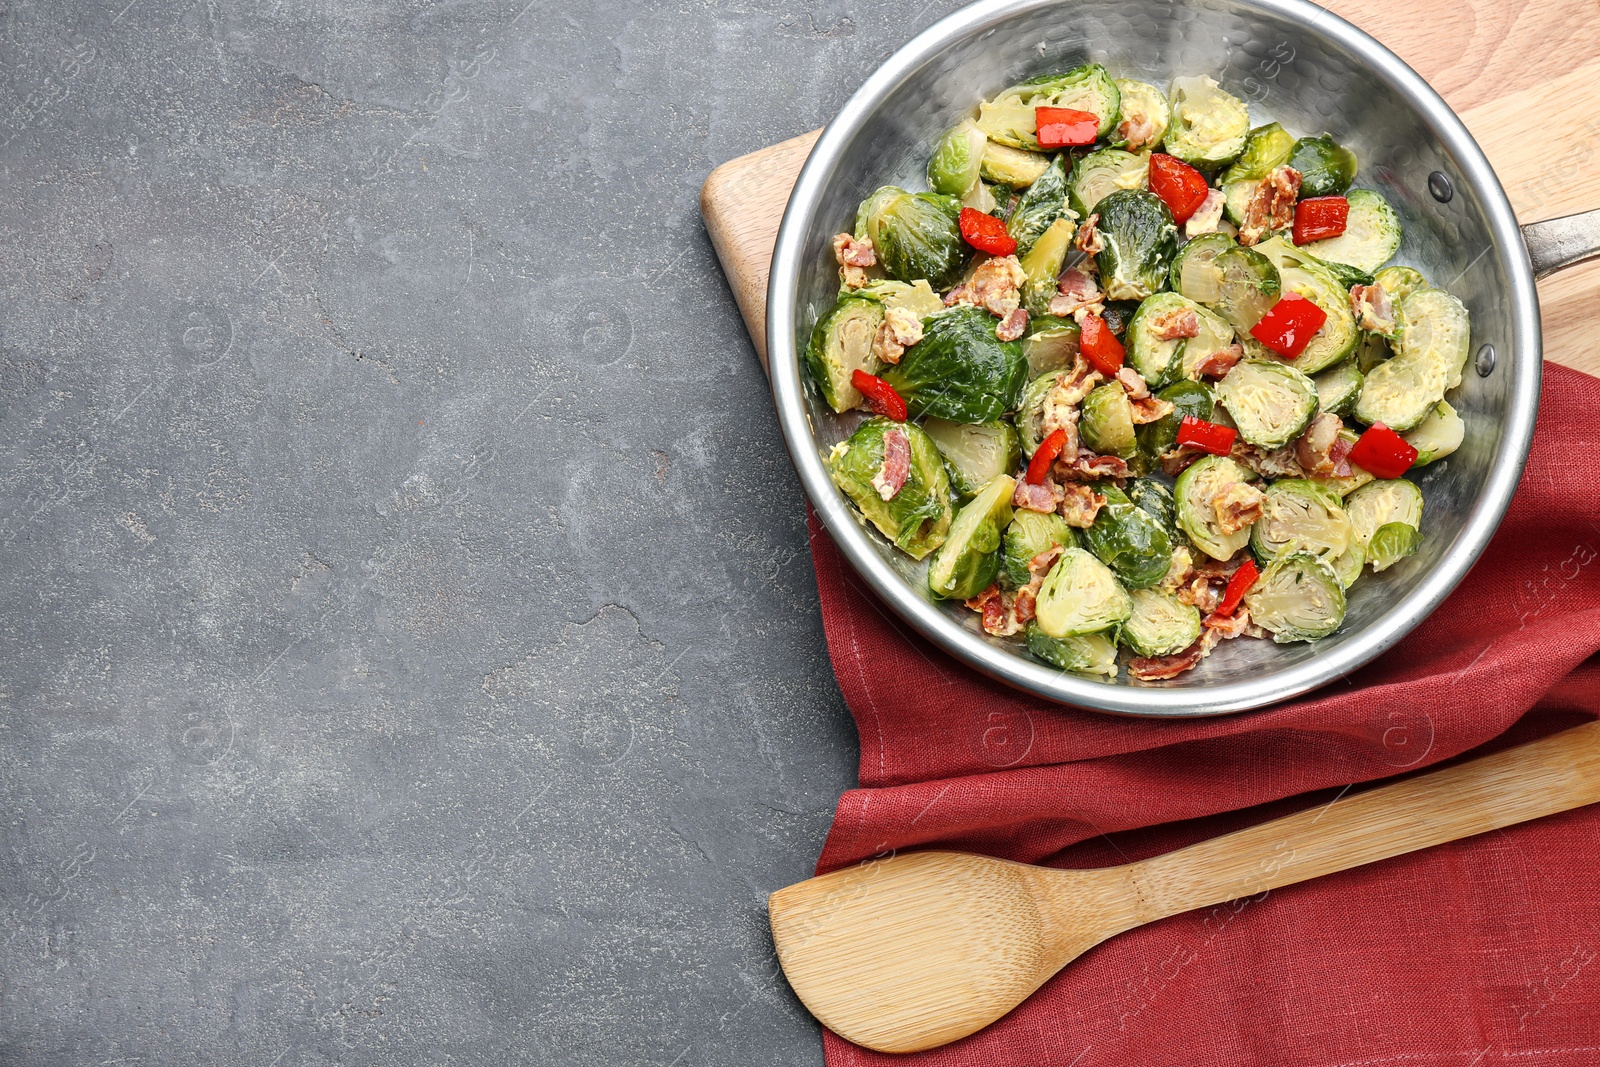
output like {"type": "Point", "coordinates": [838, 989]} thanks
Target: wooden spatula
{"type": "Point", "coordinates": [917, 950]}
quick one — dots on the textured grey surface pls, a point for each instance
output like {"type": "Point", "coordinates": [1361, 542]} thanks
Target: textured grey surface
{"type": "Point", "coordinates": [408, 642]}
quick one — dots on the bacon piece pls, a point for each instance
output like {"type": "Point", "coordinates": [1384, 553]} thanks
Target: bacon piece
{"type": "Point", "coordinates": [1133, 382]}
{"type": "Point", "coordinates": [1314, 448]}
{"type": "Point", "coordinates": [1278, 463]}
{"type": "Point", "coordinates": [1180, 459]}
{"type": "Point", "coordinates": [1012, 325]}
{"type": "Point", "coordinates": [1034, 497]}
{"type": "Point", "coordinates": [1340, 454]}
{"type": "Point", "coordinates": [1272, 206]}
{"type": "Point", "coordinates": [1207, 216]}
{"type": "Point", "coordinates": [961, 294]}
{"type": "Point", "coordinates": [851, 252]}
{"type": "Point", "coordinates": [995, 285]}
{"type": "Point", "coordinates": [1237, 506]}
{"type": "Point", "coordinates": [1080, 504]}
{"type": "Point", "coordinates": [1005, 613]}
{"type": "Point", "coordinates": [1078, 290]}
{"type": "Point", "coordinates": [1228, 626]}
{"type": "Point", "coordinates": [1171, 325]}
{"type": "Point", "coordinates": [1088, 467]}
{"type": "Point", "coordinates": [1040, 565]}
{"type": "Point", "coordinates": [891, 477]}
{"type": "Point", "coordinates": [1372, 308]}
{"type": "Point", "coordinates": [1138, 130]}
{"type": "Point", "coordinates": [1150, 409]}
{"type": "Point", "coordinates": [1203, 592]}
{"type": "Point", "coordinates": [1220, 362]}
{"type": "Point", "coordinates": [900, 329]}
{"type": "Point", "coordinates": [1088, 240]}
{"type": "Point", "coordinates": [1221, 568]}
{"type": "Point", "coordinates": [1160, 668]}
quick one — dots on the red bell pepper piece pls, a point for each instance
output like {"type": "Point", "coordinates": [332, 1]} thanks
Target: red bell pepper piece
{"type": "Point", "coordinates": [986, 233]}
{"type": "Point", "coordinates": [1044, 455]}
{"type": "Point", "coordinates": [1290, 325]}
{"type": "Point", "coordinates": [1206, 436]}
{"type": "Point", "coordinates": [1182, 188]}
{"type": "Point", "coordinates": [1100, 346]}
{"type": "Point", "coordinates": [1238, 585]}
{"type": "Point", "coordinates": [881, 397]}
{"type": "Point", "coordinates": [1383, 453]}
{"type": "Point", "coordinates": [1065, 127]}
{"type": "Point", "coordinates": [1318, 218]}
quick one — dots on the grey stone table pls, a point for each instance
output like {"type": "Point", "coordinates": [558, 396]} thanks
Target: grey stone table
{"type": "Point", "coordinates": [408, 641]}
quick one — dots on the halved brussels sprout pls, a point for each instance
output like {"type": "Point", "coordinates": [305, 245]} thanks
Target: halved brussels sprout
{"type": "Point", "coordinates": [1400, 282]}
{"type": "Point", "coordinates": [1297, 598]}
{"type": "Point", "coordinates": [1271, 403]}
{"type": "Point", "coordinates": [1010, 120]}
{"type": "Point", "coordinates": [1030, 413]}
{"type": "Point", "coordinates": [1301, 516]}
{"type": "Point", "coordinates": [1080, 595]}
{"type": "Point", "coordinates": [917, 296]}
{"type": "Point", "coordinates": [1144, 115]}
{"type": "Point", "coordinates": [1012, 166]}
{"type": "Point", "coordinates": [1157, 359]}
{"type": "Point", "coordinates": [1155, 498]}
{"type": "Point", "coordinates": [1440, 434]}
{"type": "Point", "coordinates": [975, 455]}
{"type": "Point", "coordinates": [1197, 487]}
{"type": "Point", "coordinates": [959, 371]}
{"type": "Point", "coordinates": [969, 559]}
{"type": "Point", "coordinates": [1305, 276]}
{"type": "Point", "coordinates": [1194, 272]}
{"type": "Point", "coordinates": [1209, 126]}
{"type": "Point", "coordinates": [1247, 286]}
{"type": "Point", "coordinates": [1084, 654]}
{"type": "Point", "coordinates": [1129, 540]}
{"type": "Point", "coordinates": [953, 168]}
{"type": "Point", "coordinates": [1382, 502]}
{"type": "Point", "coordinates": [1161, 624]}
{"type": "Point", "coordinates": [1391, 543]}
{"type": "Point", "coordinates": [1042, 264]}
{"type": "Point", "coordinates": [1373, 350]}
{"type": "Point", "coordinates": [1326, 167]}
{"type": "Point", "coordinates": [1266, 148]}
{"type": "Point", "coordinates": [1106, 423]}
{"type": "Point", "coordinates": [1236, 197]}
{"type": "Point", "coordinates": [1103, 172]}
{"type": "Point", "coordinates": [841, 344]}
{"type": "Point", "coordinates": [1358, 476]}
{"type": "Point", "coordinates": [1187, 398]}
{"type": "Point", "coordinates": [1371, 234]}
{"type": "Point", "coordinates": [1431, 350]}
{"type": "Point", "coordinates": [1140, 241]}
{"type": "Point", "coordinates": [1051, 343]}
{"type": "Point", "coordinates": [1030, 534]}
{"type": "Point", "coordinates": [1338, 387]}
{"type": "Point", "coordinates": [915, 234]}
{"type": "Point", "coordinates": [1215, 334]}
{"type": "Point", "coordinates": [1040, 205]}
{"type": "Point", "coordinates": [1347, 568]}
{"type": "Point", "coordinates": [917, 517]}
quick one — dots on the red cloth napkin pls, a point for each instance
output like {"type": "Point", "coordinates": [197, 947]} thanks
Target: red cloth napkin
{"type": "Point", "coordinates": [1480, 952]}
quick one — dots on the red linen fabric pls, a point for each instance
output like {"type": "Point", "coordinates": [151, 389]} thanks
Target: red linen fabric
{"type": "Point", "coordinates": [1481, 952]}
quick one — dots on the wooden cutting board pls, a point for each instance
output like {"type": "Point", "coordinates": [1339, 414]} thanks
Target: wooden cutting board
{"type": "Point", "coordinates": [1524, 77]}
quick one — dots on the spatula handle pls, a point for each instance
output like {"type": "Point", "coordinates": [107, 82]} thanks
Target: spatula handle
{"type": "Point", "coordinates": [1522, 783]}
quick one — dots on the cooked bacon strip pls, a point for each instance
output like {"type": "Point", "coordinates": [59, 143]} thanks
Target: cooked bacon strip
{"type": "Point", "coordinates": [1034, 497]}
{"type": "Point", "coordinates": [1229, 626]}
{"type": "Point", "coordinates": [1272, 206]}
{"type": "Point", "coordinates": [1077, 291]}
{"type": "Point", "coordinates": [1088, 467]}
{"type": "Point", "coordinates": [1203, 592]}
{"type": "Point", "coordinates": [900, 329]}
{"type": "Point", "coordinates": [851, 252]}
{"type": "Point", "coordinates": [1171, 325]}
{"type": "Point", "coordinates": [1314, 448]}
{"type": "Point", "coordinates": [1011, 327]}
{"type": "Point", "coordinates": [961, 294]}
{"type": "Point", "coordinates": [1237, 506]}
{"type": "Point", "coordinates": [1040, 565]}
{"type": "Point", "coordinates": [1371, 306]}
{"type": "Point", "coordinates": [1150, 409]}
{"type": "Point", "coordinates": [1080, 504]}
{"type": "Point", "coordinates": [995, 286]}
{"type": "Point", "coordinates": [1278, 463]}
{"type": "Point", "coordinates": [891, 477]}
{"type": "Point", "coordinates": [1219, 362]}
{"type": "Point", "coordinates": [1340, 454]}
{"type": "Point", "coordinates": [1133, 382]}
{"type": "Point", "coordinates": [1138, 130]}
{"type": "Point", "coordinates": [1160, 668]}
{"type": "Point", "coordinates": [1207, 217]}
{"type": "Point", "coordinates": [1005, 613]}
{"type": "Point", "coordinates": [1180, 459]}
{"type": "Point", "coordinates": [1088, 240]}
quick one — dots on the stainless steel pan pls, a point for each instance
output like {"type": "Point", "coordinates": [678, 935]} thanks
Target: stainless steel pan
{"type": "Point", "coordinates": [1309, 69]}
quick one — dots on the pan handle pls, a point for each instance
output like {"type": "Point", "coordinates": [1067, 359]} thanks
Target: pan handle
{"type": "Point", "coordinates": [1557, 243]}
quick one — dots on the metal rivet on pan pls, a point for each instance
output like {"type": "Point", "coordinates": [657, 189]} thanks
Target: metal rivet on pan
{"type": "Point", "coordinates": [1439, 186]}
{"type": "Point", "coordinates": [1485, 361]}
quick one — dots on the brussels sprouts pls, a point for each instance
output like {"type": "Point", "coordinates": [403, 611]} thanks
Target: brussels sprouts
{"type": "Point", "coordinates": [1326, 167]}
{"type": "Point", "coordinates": [1155, 498]}
{"type": "Point", "coordinates": [1440, 434]}
{"type": "Point", "coordinates": [1030, 534]}
{"type": "Point", "coordinates": [915, 234]}
{"type": "Point", "coordinates": [1345, 274]}
{"type": "Point", "coordinates": [1051, 343]}
{"type": "Point", "coordinates": [1106, 425]}
{"type": "Point", "coordinates": [1144, 108]}
{"type": "Point", "coordinates": [1347, 568]}
{"type": "Point", "coordinates": [1080, 595]}
{"type": "Point", "coordinates": [1030, 413]}
{"type": "Point", "coordinates": [1208, 126]}
{"type": "Point", "coordinates": [1084, 654]}
{"type": "Point", "coordinates": [1247, 286]}
{"type": "Point", "coordinates": [1400, 282]}
{"type": "Point", "coordinates": [1197, 487]}
{"type": "Point", "coordinates": [841, 343]}
{"type": "Point", "coordinates": [1194, 272]}
{"type": "Point", "coordinates": [1042, 264]}
{"type": "Point", "coordinates": [1009, 118]}
{"type": "Point", "coordinates": [1102, 172]}
{"type": "Point", "coordinates": [1338, 387]}
{"type": "Point", "coordinates": [1431, 349]}
{"type": "Point", "coordinates": [1301, 516]}
{"type": "Point", "coordinates": [1391, 543]}
{"type": "Point", "coordinates": [917, 296]}
{"type": "Point", "coordinates": [917, 517]}
{"type": "Point", "coordinates": [1297, 598]}
{"type": "Point", "coordinates": [1357, 477]}
{"type": "Point", "coordinates": [1039, 206]}
{"type": "Point", "coordinates": [1266, 148]}
{"type": "Point", "coordinates": [975, 455]}
{"type": "Point", "coordinates": [1129, 540]}
{"type": "Point", "coordinates": [969, 559]}
{"type": "Point", "coordinates": [1140, 241]}
{"type": "Point", "coordinates": [1161, 624]}
{"type": "Point", "coordinates": [1187, 398]}
{"type": "Point", "coordinates": [1371, 234]}
{"type": "Point", "coordinates": [1154, 358]}
{"type": "Point", "coordinates": [1012, 166]}
{"type": "Point", "coordinates": [1302, 274]}
{"type": "Point", "coordinates": [953, 168]}
{"type": "Point", "coordinates": [1270, 402]}
{"type": "Point", "coordinates": [959, 371]}
{"type": "Point", "coordinates": [1382, 502]}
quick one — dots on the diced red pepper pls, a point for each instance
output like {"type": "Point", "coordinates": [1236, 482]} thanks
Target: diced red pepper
{"type": "Point", "coordinates": [1206, 436]}
{"type": "Point", "coordinates": [1182, 188]}
{"type": "Point", "coordinates": [1383, 453]}
{"type": "Point", "coordinates": [881, 397]}
{"type": "Point", "coordinates": [1238, 585]}
{"type": "Point", "coordinates": [1099, 345]}
{"type": "Point", "coordinates": [1046, 454]}
{"type": "Point", "coordinates": [1290, 325]}
{"type": "Point", "coordinates": [1319, 218]}
{"type": "Point", "coordinates": [1065, 127]}
{"type": "Point", "coordinates": [986, 233]}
